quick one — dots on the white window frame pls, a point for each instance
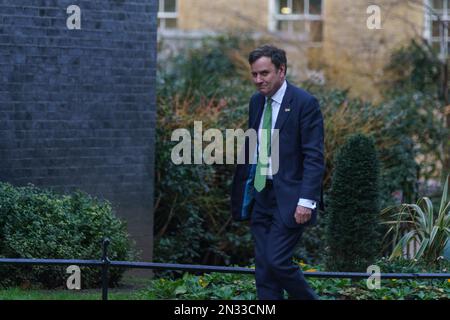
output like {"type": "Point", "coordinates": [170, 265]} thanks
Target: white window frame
{"type": "Point", "coordinates": [432, 14]}
{"type": "Point", "coordinates": [275, 17]}
{"type": "Point", "coordinates": [162, 15]}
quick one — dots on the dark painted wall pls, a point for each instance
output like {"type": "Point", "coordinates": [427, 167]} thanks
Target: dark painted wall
{"type": "Point", "coordinates": [77, 107]}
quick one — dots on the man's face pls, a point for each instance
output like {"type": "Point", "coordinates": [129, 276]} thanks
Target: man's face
{"type": "Point", "coordinates": [266, 77]}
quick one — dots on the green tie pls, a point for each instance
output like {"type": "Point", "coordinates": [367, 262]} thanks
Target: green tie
{"type": "Point", "coordinates": [264, 150]}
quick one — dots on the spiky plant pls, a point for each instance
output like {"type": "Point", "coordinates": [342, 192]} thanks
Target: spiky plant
{"type": "Point", "coordinates": [425, 229]}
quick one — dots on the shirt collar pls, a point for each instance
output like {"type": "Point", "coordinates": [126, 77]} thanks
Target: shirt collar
{"type": "Point", "coordinates": [278, 96]}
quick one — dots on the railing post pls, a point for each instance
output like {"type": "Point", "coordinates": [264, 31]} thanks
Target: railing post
{"type": "Point", "coordinates": [105, 267]}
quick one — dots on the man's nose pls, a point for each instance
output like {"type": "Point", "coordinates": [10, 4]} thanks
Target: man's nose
{"type": "Point", "coordinates": [258, 79]}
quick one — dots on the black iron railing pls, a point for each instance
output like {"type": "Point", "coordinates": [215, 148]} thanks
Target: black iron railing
{"type": "Point", "coordinates": [105, 264]}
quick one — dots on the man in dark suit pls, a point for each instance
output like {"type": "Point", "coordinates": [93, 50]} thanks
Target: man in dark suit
{"type": "Point", "coordinates": [281, 190]}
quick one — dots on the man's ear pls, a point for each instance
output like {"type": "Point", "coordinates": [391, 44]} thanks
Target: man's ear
{"type": "Point", "coordinates": [283, 69]}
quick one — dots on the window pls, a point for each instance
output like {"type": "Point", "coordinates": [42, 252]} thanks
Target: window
{"type": "Point", "coordinates": [438, 25]}
{"type": "Point", "coordinates": [167, 14]}
{"type": "Point", "coordinates": [302, 18]}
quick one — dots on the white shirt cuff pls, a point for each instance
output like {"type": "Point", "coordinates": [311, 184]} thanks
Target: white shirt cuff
{"type": "Point", "coordinates": [307, 203]}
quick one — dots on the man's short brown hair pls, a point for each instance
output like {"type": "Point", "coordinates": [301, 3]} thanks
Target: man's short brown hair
{"type": "Point", "coordinates": [276, 55]}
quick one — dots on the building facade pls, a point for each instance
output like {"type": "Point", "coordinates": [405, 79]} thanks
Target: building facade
{"type": "Point", "coordinates": [347, 42]}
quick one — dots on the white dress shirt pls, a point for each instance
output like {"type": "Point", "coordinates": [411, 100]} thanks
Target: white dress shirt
{"type": "Point", "coordinates": [277, 98]}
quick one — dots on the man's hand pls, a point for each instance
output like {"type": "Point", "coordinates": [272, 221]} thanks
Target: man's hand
{"type": "Point", "coordinates": [302, 214]}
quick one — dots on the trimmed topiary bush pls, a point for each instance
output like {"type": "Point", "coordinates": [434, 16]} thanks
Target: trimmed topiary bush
{"type": "Point", "coordinates": [37, 223]}
{"type": "Point", "coordinates": [353, 223]}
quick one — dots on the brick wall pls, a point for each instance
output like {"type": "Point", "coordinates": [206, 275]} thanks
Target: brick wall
{"type": "Point", "coordinates": [77, 107]}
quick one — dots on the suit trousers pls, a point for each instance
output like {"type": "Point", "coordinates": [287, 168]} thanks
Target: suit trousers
{"type": "Point", "coordinates": [274, 246]}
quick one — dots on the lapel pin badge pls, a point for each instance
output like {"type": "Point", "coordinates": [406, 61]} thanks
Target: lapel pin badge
{"type": "Point", "coordinates": [287, 109]}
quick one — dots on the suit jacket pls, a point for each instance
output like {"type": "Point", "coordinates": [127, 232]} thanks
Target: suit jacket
{"type": "Point", "coordinates": [301, 157]}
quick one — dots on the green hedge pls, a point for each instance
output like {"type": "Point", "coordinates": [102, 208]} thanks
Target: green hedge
{"type": "Point", "coordinates": [37, 223]}
{"type": "Point", "coordinates": [353, 221]}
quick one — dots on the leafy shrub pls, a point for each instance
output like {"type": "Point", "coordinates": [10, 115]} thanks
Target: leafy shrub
{"type": "Point", "coordinates": [353, 211]}
{"type": "Point", "coordinates": [37, 223]}
{"type": "Point", "coordinates": [413, 84]}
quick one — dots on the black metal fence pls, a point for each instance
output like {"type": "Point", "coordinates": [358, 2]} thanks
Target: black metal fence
{"type": "Point", "coordinates": [105, 264]}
